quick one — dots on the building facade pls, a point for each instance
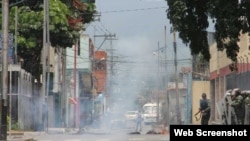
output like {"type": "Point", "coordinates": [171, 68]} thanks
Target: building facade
{"type": "Point", "coordinates": [225, 74]}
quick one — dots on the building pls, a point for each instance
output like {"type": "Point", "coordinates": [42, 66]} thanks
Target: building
{"type": "Point", "coordinates": [100, 81]}
{"type": "Point", "coordinates": [86, 76]}
{"type": "Point", "coordinates": [225, 74]}
{"type": "Point", "coordinates": [79, 83]}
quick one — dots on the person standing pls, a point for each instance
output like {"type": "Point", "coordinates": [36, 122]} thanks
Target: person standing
{"type": "Point", "coordinates": [204, 109]}
{"type": "Point", "coordinates": [247, 109]}
{"type": "Point", "coordinates": [139, 121]}
{"type": "Point", "coordinates": [238, 105]}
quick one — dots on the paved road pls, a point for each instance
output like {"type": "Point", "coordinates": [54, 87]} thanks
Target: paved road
{"type": "Point", "coordinates": [117, 137]}
{"type": "Point", "coordinates": [91, 134]}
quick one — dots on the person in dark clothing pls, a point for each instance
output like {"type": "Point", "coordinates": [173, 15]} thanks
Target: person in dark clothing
{"type": "Point", "coordinates": [204, 109]}
{"type": "Point", "coordinates": [238, 105]}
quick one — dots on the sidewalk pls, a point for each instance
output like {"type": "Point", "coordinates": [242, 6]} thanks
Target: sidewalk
{"type": "Point", "coordinates": [23, 135]}
{"type": "Point", "coordinates": [30, 135]}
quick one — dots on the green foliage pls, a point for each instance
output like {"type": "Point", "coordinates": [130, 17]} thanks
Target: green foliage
{"type": "Point", "coordinates": [30, 17]}
{"type": "Point", "coordinates": [14, 126]}
{"type": "Point", "coordinates": [89, 12]}
{"type": "Point", "coordinates": [190, 19]}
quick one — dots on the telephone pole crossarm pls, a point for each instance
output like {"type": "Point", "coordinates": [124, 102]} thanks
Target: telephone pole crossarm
{"type": "Point", "coordinates": [106, 37]}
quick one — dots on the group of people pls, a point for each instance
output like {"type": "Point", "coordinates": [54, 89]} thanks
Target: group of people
{"type": "Point", "coordinates": [205, 107]}
{"type": "Point", "coordinates": [240, 102]}
{"type": "Point", "coordinates": [237, 103]}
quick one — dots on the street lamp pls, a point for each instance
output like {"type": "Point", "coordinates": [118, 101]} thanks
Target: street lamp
{"type": "Point", "coordinates": [159, 82]}
{"type": "Point", "coordinates": [158, 77]}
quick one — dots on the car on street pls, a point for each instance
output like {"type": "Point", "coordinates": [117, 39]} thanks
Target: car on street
{"type": "Point", "coordinates": [131, 115]}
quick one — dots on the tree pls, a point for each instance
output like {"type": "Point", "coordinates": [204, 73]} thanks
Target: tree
{"type": "Point", "coordinates": [63, 33]}
{"type": "Point", "coordinates": [190, 19]}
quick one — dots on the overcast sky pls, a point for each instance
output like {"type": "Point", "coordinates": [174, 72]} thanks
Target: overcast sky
{"type": "Point", "coordinates": [139, 25]}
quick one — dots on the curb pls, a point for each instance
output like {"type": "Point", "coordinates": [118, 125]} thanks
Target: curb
{"type": "Point", "coordinates": [15, 133]}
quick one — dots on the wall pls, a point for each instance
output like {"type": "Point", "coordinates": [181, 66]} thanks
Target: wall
{"type": "Point", "coordinates": [100, 71]}
{"type": "Point", "coordinates": [82, 51]}
{"type": "Point", "coordinates": [219, 62]}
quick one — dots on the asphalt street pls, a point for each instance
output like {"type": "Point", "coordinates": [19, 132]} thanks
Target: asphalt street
{"type": "Point", "coordinates": [91, 134]}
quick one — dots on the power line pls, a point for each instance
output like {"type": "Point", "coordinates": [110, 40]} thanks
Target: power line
{"type": "Point", "coordinates": [131, 10]}
{"type": "Point", "coordinates": [100, 28]}
{"type": "Point", "coordinates": [104, 28]}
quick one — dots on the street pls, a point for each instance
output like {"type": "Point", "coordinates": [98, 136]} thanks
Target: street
{"type": "Point", "coordinates": [58, 134]}
{"type": "Point", "coordinates": [109, 137]}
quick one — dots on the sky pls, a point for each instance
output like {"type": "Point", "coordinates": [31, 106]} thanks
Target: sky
{"type": "Point", "coordinates": [140, 28]}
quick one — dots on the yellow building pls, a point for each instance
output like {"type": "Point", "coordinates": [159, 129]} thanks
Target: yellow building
{"type": "Point", "coordinates": [222, 78]}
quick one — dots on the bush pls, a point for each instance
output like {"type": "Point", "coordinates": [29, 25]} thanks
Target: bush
{"type": "Point", "coordinates": [14, 126]}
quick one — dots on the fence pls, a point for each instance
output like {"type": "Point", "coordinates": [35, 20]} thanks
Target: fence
{"type": "Point", "coordinates": [238, 80]}
{"type": "Point", "coordinates": [28, 102]}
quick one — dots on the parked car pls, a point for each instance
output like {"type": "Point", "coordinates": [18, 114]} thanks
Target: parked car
{"type": "Point", "coordinates": [131, 115]}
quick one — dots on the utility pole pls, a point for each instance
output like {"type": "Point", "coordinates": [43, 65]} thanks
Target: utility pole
{"type": "Point", "coordinates": [166, 79]}
{"type": "Point", "coordinates": [110, 37]}
{"type": "Point", "coordinates": [112, 54]}
{"type": "Point", "coordinates": [16, 26]}
{"type": "Point", "coordinates": [43, 94]}
{"type": "Point", "coordinates": [64, 89]}
{"type": "Point", "coordinates": [75, 85]}
{"type": "Point", "coordinates": [46, 66]}
{"type": "Point", "coordinates": [5, 41]}
{"type": "Point", "coordinates": [106, 37]}
{"type": "Point", "coordinates": [178, 114]}
{"type": "Point", "coordinates": [159, 88]}
{"type": "Point", "coordinates": [48, 62]}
